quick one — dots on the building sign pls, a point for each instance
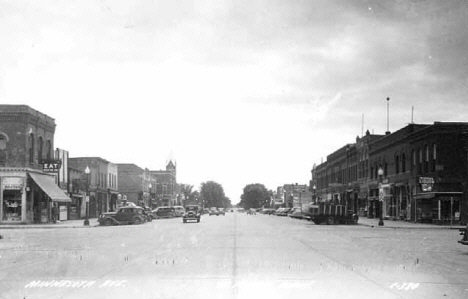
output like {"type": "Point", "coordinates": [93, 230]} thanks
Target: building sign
{"type": "Point", "coordinates": [426, 183]}
{"type": "Point", "coordinates": [13, 183]}
{"type": "Point", "coordinates": [51, 166]}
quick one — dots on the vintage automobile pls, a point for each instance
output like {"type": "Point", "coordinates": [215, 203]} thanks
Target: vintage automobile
{"type": "Point", "coordinates": [124, 215]}
{"type": "Point", "coordinates": [221, 212]}
{"type": "Point", "coordinates": [164, 212]}
{"type": "Point", "coordinates": [148, 213]}
{"type": "Point", "coordinates": [192, 212]}
{"type": "Point", "coordinates": [214, 211]}
{"type": "Point", "coordinates": [179, 211]}
{"type": "Point", "coordinates": [251, 212]}
{"type": "Point", "coordinates": [464, 233]}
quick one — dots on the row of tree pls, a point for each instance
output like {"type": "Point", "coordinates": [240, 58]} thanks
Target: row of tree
{"type": "Point", "coordinates": [212, 195]}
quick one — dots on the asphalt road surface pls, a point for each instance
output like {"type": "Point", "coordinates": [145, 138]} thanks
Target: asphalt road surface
{"type": "Point", "coordinates": [232, 256]}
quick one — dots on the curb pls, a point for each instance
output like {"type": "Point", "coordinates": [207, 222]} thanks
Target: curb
{"type": "Point", "coordinates": [46, 227]}
{"type": "Point", "coordinates": [411, 227]}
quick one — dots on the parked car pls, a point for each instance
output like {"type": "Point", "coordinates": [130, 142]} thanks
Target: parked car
{"type": "Point", "coordinates": [268, 211]}
{"type": "Point", "coordinates": [192, 212]}
{"type": "Point", "coordinates": [296, 213]}
{"type": "Point", "coordinates": [214, 211]}
{"type": "Point", "coordinates": [282, 212]}
{"type": "Point", "coordinates": [164, 212]}
{"type": "Point", "coordinates": [148, 213]}
{"type": "Point", "coordinates": [221, 212]}
{"type": "Point", "coordinates": [123, 215]}
{"type": "Point", "coordinates": [251, 212]}
{"type": "Point", "coordinates": [179, 211]}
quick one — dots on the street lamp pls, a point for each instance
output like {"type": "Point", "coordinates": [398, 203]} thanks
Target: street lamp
{"type": "Point", "coordinates": [380, 172]}
{"type": "Point", "coordinates": [314, 189]}
{"type": "Point", "coordinates": [87, 171]}
{"type": "Point", "coordinates": [149, 191]}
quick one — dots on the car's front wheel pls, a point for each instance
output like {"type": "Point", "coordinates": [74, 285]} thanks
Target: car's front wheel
{"type": "Point", "coordinates": [108, 222]}
{"type": "Point", "coordinates": [137, 221]}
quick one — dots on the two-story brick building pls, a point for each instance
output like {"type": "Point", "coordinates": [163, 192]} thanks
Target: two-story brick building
{"type": "Point", "coordinates": [417, 173]}
{"type": "Point", "coordinates": [166, 185]}
{"type": "Point", "coordinates": [136, 184]}
{"type": "Point", "coordinates": [27, 193]}
{"type": "Point", "coordinates": [102, 183]}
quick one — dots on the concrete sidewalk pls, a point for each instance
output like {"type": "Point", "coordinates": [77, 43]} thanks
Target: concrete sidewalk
{"type": "Point", "coordinates": [62, 224]}
{"type": "Point", "coordinates": [374, 222]}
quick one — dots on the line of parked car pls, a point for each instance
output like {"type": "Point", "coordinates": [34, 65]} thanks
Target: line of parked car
{"type": "Point", "coordinates": [286, 212]}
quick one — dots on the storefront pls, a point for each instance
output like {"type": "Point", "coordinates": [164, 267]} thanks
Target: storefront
{"type": "Point", "coordinates": [27, 196]}
{"type": "Point", "coordinates": [438, 207]}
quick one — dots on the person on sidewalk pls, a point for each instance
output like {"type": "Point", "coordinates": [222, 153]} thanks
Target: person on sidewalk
{"type": "Point", "coordinates": [54, 213]}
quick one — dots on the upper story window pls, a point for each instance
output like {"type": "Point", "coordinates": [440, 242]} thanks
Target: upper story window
{"type": "Point", "coordinates": [3, 142]}
{"type": "Point", "coordinates": [49, 150]}
{"type": "Point", "coordinates": [403, 162]}
{"type": "Point", "coordinates": [397, 164]}
{"type": "Point", "coordinates": [40, 146]}
{"type": "Point", "coordinates": [434, 157]}
{"type": "Point", "coordinates": [31, 148]}
{"type": "Point", "coordinates": [420, 161]}
{"type": "Point", "coordinates": [426, 160]}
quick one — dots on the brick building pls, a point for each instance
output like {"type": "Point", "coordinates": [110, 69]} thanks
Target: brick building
{"type": "Point", "coordinates": [27, 193]}
{"type": "Point", "coordinates": [136, 184]}
{"type": "Point", "coordinates": [166, 185]}
{"type": "Point", "coordinates": [424, 174]}
{"type": "Point", "coordinates": [102, 182]}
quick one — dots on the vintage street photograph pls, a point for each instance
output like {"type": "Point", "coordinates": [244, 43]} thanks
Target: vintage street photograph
{"type": "Point", "coordinates": [233, 149]}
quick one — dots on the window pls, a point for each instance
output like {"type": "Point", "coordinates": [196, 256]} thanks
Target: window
{"type": "Point", "coordinates": [3, 142]}
{"type": "Point", "coordinates": [31, 148]}
{"type": "Point", "coordinates": [3, 154]}
{"type": "Point", "coordinates": [403, 162]}
{"type": "Point", "coordinates": [40, 145]}
{"type": "Point", "coordinates": [434, 157]}
{"type": "Point", "coordinates": [397, 164]}
{"type": "Point", "coordinates": [420, 161]}
{"type": "Point", "coordinates": [385, 169]}
{"type": "Point", "coordinates": [426, 160]}
{"type": "Point", "coordinates": [49, 150]}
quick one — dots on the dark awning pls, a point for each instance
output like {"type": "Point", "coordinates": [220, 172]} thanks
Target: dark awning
{"type": "Point", "coordinates": [47, 184]}
{"type": "Point", "coordinates": [430, 195]}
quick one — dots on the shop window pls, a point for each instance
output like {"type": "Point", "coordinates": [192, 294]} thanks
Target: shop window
{"type": "Point", "coordinates": [12, 205]}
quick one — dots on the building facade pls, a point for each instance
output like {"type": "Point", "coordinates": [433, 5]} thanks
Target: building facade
{"type": "Point", "coordinates": [418, 173]}
{"type": "Point", "coordinates": [101, 183]}
{"type": "Point", "coordinates": [28, 190]}
{"type": "Point", "coordinates": [136, 184]}
{"type": "Point", "coordinates": [166, 185]}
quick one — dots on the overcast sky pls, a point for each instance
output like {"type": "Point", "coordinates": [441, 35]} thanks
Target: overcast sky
{"type": "Point", "coordinates": [237, 92]}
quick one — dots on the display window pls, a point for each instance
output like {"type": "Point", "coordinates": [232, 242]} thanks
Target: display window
{"type": "Point", "coordinates": [12, 204]}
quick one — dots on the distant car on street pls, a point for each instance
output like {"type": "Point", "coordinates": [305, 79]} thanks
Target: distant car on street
{"type": "Point", "coordinates": [251, 212]}
{"type": "Point", "coordinates": [214, 211]}
{"type": "Point", "coordinates": [282, 212]}
{"type": "Point", "coordinates": [164, 212]}
{"type": "Point", "coordinates": [192, 212]}
{"type": "Point", "coordinates": [148, 213]}
{"type": "Point", "coordinates": [221, 212]}
{"type": "Point", "coordinates": [123, 215]}
{"type": "Point", "coordinates": [179, 211]}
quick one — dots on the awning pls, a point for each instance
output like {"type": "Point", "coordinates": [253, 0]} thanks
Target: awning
{"type": "Point", "coordinates": [430, 195]}
{"type": "Point", "coordinates": [47, 185]}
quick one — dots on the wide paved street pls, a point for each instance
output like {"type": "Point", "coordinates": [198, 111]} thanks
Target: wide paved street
{"type": "Point", "coordinates": [232, 256]}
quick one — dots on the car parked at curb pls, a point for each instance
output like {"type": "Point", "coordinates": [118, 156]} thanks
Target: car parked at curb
{"type": "Point", "coordinates": [214, 211]}
{"type": "Point", "coordinates": [123, 215]}
{"type": "Point", "coordinates": [164, 212]}
{"type": "Point", "coordinates": [179, 211]}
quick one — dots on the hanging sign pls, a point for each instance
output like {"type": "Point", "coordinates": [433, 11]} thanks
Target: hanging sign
{"type": "Point", "coordinates": [51, 165]}
{"type": "Point", "coordinates": [426, 183]}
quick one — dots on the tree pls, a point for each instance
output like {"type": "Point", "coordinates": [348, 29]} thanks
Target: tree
{"type": "Point", "coordinates": [255, 196]}
{"type": "Point", "coordinates": [191, 196]}
{"type": "Point", "coordinates": [212, 195]}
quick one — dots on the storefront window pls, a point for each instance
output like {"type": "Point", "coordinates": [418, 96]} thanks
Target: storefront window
{"type": "Point", "coordinates": [12, 205]}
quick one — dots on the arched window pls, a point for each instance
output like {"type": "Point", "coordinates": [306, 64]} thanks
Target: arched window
{"type": "Point", "coordinates": [49, 150]}
{"type": "Point", "coordinates": [426, 160]}
{"type": "Point", "coordinates": [385, 168]}
{"type": "Point", "coordinates": [403, 162]}
{"type": "Point", "coordinates": [31, 148]}
{"type": "Point", "coordinates": [3, 152]}
{"type": "Point", "coordinates": [397, 164]}
{"type": "Point", "coordinates": [40, 146]}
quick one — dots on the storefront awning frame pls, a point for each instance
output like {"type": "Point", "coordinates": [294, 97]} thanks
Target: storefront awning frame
{"type": "Point", "coordinates": [47, 184]}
